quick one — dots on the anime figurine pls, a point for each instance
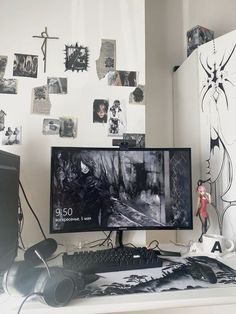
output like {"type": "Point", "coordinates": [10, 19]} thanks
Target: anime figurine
{"type": "Point", "coordinates": [203, 200]}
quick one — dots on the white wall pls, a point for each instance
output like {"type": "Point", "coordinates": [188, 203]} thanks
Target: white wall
{"type": "Point", "coordinates": [85, 22]}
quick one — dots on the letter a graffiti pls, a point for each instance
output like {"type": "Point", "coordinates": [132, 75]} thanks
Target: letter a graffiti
{"type": "Point", "coordinates": [216, 247]}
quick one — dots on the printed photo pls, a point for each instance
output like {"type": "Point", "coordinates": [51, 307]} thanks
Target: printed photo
{"type": "Point", "coordinates": [138, 138]}
{"type": "Point", "coordinates": [100, 109]}
{"type": "Point", "coordinates": [12, 136]}
{"type": "Point", "coordinates": [122, 78]}
{"type": "Point", "coordinates": [51, 126]}
{"type": "Point", "coordinates": [8, 86]}
{"type": "Point", "coordinates": [2, 120]}
{"type": "Point", "coordinates": [57, 85]}
{"type": "Point", "coordinates": [116, 118]}
{"type": "Point", "coordinates": [68, 127]}
{"type": "Point", "coordinates": [3, 64]}
{"type": "Point", "coordinates": [25, 65]}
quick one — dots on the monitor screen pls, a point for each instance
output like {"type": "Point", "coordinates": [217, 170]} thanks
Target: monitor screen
{"type": "Point", "coordinates": [9, 194]}
{"type": "Point", "coordinates": [96, 189]}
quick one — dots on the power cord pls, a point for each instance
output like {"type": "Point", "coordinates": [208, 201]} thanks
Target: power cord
{"type": "Point", "coordinates": [102, 241]}
{"type": "Point", "coordinates": [32, 211]}
{"type": "Point", "coordinates": [26, 298]}
{"type": "Point", "coordinates": [21, 224]}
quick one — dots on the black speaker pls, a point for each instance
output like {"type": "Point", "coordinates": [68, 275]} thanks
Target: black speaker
{"type": "Point", "coordinates": [45, 249]}
{"type": "Point", "coordinates": [56, 287]}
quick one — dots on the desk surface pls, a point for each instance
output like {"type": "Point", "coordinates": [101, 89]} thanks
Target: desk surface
{"type": "Point", "coordinates": [140, 303]}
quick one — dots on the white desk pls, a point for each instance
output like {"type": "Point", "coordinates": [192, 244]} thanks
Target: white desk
{"type": "Point", "coordinates": [203, 301]}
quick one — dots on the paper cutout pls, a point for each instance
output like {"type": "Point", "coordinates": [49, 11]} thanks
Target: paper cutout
{"type": "Point", "coordinates": [137, 97]}
{"type": "Point", "coordinates": [40, 100]}
{"type": "Point", "coordinates": [107, 58]}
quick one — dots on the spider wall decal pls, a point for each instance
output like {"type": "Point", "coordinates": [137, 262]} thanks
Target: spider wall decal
{"type": "Point", "coordinates": [216, 78]}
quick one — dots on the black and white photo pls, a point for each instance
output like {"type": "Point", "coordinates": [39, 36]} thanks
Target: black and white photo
{"type": "Point", "coordinates": [51, 126]}
{"type": "Point", "coordinates": [57, 85]}
{"type": "Point", "coordinates": [100, 110]}
{"type": "Point", "coordinates": [68, 127]}
{"type": "Point", "coordinates": [3, 64]}
{"type": "Point", "coordinates": [8, 86]}
{"type": "Point", "coordinates": [25, 65]}
{"type": "Point", "coordinates": [116, 117]}
{"type": "Point", "coordinates": [122, 78]}
{"type": "Point", "coordinates": [12, 135]}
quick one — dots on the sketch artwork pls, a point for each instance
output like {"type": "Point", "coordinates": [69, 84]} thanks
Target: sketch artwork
{"type": "Point", "coordinates": [107, 59]}
{"type": "Point", "coordinates": [116, 118]}
{"type": "Point", "coordinates": [3, 64]}
{"type": "Point", "coordinates": [57, 85]}
{"type": "Point", "coordinates": [12, 136]}
{"type": "Point", "coordinates": [40, 100]}
{"type": "Point", "coordinates": [122, 78]}
{"type": "Point", "coordinates": [100, 109]}
{"type": "Point", "coordinates": [217, 116]}
{"type": "Point", "coordinates": [77, 58]}
{"type": "Point", "coordinates": [8, 86]}
{"type": "Point", "coordinates": [25, 65]}
{"type": "Point", "coordinates": [51, 126]}
{"type": "Point", "coordinates": [137, 96]}
{"type": "Point", "coordinates": [68, 127]}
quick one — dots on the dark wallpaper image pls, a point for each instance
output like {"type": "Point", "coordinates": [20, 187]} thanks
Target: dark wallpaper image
{"type": "Point", "coordinates": [95, 189]}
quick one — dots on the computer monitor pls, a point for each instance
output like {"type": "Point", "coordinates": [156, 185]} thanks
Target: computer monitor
{"type": "Point", "coordinates": [99, 189]}
{"type": "Point", "coordinates": [9, 196]}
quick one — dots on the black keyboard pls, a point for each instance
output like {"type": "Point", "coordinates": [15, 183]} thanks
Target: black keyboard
{"type": "Point", "coordinates": [109, 260]}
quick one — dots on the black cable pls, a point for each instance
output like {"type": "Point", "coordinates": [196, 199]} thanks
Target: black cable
{"type": "Point", "coordinates": [26, 298]}
{"type": "Point", "coordinates": [32, 211]}
{"type": "Point", "coordinates": [21, 224]}
{"type": "Point", "coordinates": [108, 238]}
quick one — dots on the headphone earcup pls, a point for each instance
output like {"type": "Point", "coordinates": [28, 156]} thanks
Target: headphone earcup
{"type": "Point", "coordinates": [20, 279]}
{"type": "Point", "coordinates": [56, 290]}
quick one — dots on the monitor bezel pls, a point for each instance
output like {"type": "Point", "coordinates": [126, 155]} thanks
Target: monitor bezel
{"type": "Point", "coordinates": [76, 148]}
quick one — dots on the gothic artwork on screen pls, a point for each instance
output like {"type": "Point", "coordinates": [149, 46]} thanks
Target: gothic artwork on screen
{"type": "Point", "coordinates": [101, 189]}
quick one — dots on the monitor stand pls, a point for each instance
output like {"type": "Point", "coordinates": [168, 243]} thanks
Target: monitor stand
{"type": "Point", "coordinates": [136, 237]}
{"type": "Point", "coordinates": [119, 239]}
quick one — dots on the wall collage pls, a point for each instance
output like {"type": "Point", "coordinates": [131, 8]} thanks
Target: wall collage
{"type": "Point", "coordinates": [77, 59]}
